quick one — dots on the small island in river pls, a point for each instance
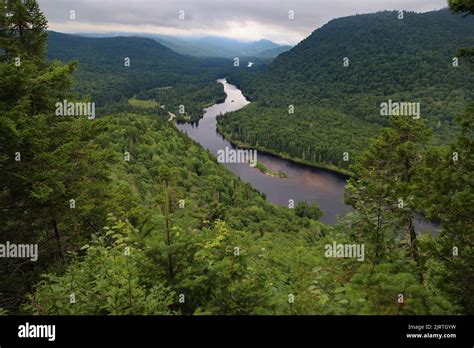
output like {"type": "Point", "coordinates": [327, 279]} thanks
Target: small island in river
{"type": "Point", "coordinates": [267, 171]}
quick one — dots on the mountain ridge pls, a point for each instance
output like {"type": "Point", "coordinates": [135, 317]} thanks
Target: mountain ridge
{"type": "Point", "coordinates": [208, 46]}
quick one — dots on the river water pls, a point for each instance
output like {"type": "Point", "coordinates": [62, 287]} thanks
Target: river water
{"type": "Point", "coordinates": [304, 183]}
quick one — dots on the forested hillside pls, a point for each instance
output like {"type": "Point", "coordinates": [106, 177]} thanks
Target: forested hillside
{"type": "Point", "coordinates": [184, 236]}
{"type": "Point", "coordinates": [274, 52]}
{"type": "Point", "coordinates": [174, 79]}
{"type": "Point", "coordinates": [131, 216]}
{"type": "Point", "coordinates": [405, 60]}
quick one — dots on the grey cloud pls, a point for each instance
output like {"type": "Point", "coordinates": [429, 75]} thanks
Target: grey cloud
{"type": "Point", "coordinates": [214, 15]}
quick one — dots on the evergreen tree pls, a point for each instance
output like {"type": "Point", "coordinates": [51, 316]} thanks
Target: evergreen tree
{"type": "Point", "coordinates": [384, 185]}
{"type": "Point", "coordinates": [24, 29]}
{"type": "Point", "coordinates": [46, 160]}
{"type": "Point", "coordinates": [462, 6]}
{"type": "Point", "coordinates": [448, 197]}
{"type": "Point", "coordinates": [465, 7]}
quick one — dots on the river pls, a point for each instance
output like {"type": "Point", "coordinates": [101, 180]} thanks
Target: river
{"type": "Point", "coordinates": [304, 183]}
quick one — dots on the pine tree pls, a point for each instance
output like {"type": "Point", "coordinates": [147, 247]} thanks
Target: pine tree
{"type": "Point", "coordinates": [384, 185]}
{"type": "Point", "coordinates": [45, 160]}
{"type": "Point", "coordinates": [462, 6]}
{"type": "Point", "coordinates": [465, 7]}
{"type": "Point", "coordinates": [448, 197]}
{"type": "Point", "coordinates": [26, 29]}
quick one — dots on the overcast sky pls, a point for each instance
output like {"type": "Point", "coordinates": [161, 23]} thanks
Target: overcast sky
{"type": "Point", "coordinates": [239, 19]}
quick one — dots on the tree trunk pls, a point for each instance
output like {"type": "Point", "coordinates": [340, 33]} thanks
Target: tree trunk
{"type": "Point", "coordinates": [413, 243]}
{"type": "Point", "coordinates": [58, 240]}
{"type": "Point", "coordinates": [377, 237]}
{"type": "Point", "coordinates": [168, 239]}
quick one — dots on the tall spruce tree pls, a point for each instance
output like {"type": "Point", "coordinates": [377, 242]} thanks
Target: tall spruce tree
{"type": "Point", "coordinates": [448, 196]}
{"type": "Point", "coordinates": [465, 7]}
{"type": "Point", "coordinates": [45, 160]}
{"type": "Point", "coordinates": [384, 187]}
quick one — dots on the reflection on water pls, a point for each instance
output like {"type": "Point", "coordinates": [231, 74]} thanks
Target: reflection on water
{"type": "Point", "coordinates": [304, 183]}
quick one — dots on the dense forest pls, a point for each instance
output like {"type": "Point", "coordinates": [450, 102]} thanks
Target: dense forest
{"type": "Point", "coordinates": [344, 71]}
{"type": "Point", "coordinates": [132, 217]}
{"type": "Point", "coordinates": [116, 69]}
{"type": "Point", "coordinates": [317, 136]}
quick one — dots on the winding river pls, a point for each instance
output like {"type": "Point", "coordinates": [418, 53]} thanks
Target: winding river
{"type": "Point", "coordinates": [304, 183]}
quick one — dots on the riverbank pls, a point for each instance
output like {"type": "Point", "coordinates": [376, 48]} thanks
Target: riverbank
{"type": "Point", "coordinates": [329, 167]}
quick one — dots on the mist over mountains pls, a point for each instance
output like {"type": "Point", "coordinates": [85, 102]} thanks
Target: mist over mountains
{"type": "Point", "coordinates": [211, 46]}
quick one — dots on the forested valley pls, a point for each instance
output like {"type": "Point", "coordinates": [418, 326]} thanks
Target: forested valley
{"type": "Point", "coordinates": [133, 217]}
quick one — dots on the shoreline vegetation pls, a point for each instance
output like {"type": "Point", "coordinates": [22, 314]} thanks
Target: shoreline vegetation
{"type": "Point", "coordinates": [260, 166]}
{"type": "Point", "coordinates": [329, 167]}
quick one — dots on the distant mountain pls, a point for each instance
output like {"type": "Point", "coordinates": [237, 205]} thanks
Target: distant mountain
{"type": "Point", "coordinates": [108, 49]}
{"type": "Point", "coordinates": [253, 48]}
{"type": "Point", "coordinates": [218, 47]}
{"type": "Point", "coordinates": [274, 52]}
{"type": "Point", "coordinates": [211, 46]}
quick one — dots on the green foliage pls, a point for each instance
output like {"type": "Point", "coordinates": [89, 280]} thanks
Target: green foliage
{"type": "Point", "coordinates": [23, 29]}
{"type": "Point", "coordinates": [279, 253]}
{"type": "Point", "coordinates": [438, 183]}
{"type": "Point", "coordinates": [260, 166]}
{"type": "Point", "coordinates": [448, 196]}
{"type": "Point", "coordinates": [107, 280]}
{"type": "Point", "coordinates": [312, 211]}
{"type": "Point", "coordinates": [145, 104]}
{"type": "Point", "coordinates": [377, 291]}
{"type": "Point", "coordinates": [466, 7]}
{"type": "Point", "coordinates": [219, 280]}
{"type": "Point", "coordinates": [461, 6]}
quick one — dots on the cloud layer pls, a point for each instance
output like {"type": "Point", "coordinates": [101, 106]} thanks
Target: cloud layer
{"type": "Point", "coordinates": [240, 19]}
